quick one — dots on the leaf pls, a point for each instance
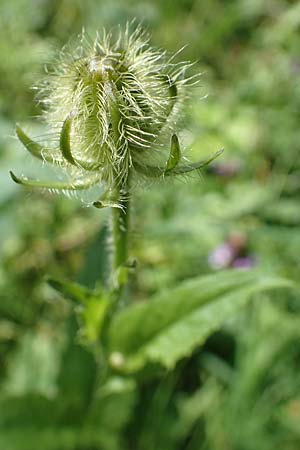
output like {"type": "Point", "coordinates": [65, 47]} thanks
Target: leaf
{"type": "Point", "coordinates": [92, 318]}
{"type": "Point", "coordinates": [174, 323]}
{"type": "Point", "coordinates": [112, 405]}
{"type": "Point", "coordinates": [73, 291]}
{"type": "Point", "coordinates": [34, 365]}
{"type": "Point", "coordinates": [95, 304]}
{"type": "Point", "coordinates": [32, 422]}
{"type": "Point", "coordinates": [178, 302]}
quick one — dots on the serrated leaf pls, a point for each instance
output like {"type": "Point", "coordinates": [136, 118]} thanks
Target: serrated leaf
{"type": "Point", "coordinates": [169, 306]}
{"type": "Point", "coordinates": [172, 325]}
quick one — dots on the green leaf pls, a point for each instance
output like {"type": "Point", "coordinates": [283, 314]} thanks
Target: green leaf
{"type": "Point", "coordinates": [73, 291]}
{"type": "Point", "coordinates": [34, 422]}
{"type": "Point", "coordinates": [170, 326]}
{"type": "Point", "coordinates": [92, 318]}
{"type": "Point", "coordinates": [95, 305]}
{"type": "Point", "coordinates": [34, 365]}
{"type": "Point", "coordinates": [178, 302]}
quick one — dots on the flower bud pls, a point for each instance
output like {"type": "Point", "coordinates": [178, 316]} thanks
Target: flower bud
{"type": "Point", "coordinates": [112, 105]}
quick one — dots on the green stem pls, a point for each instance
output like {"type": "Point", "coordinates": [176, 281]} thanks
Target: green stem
{"type": "Point", "coordinates": [120, 236]}
{"type": "Point", "coordinates": [120, 228]}
{"type": "Point", "coordinates": [120, 218]}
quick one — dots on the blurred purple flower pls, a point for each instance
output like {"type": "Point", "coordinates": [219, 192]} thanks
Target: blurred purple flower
{"type": "Point", "coordinates": [243, 262]}
{"type": "Point", "coordinates": [226, 169]}
{"type": "Point", "coordinates": [221, 256]}
{"type": "Point", "coordinates": [232, 253]}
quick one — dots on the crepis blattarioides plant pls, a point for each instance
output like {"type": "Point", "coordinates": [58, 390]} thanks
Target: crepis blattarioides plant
{"type": "Point", "coordinates": [112, 106]}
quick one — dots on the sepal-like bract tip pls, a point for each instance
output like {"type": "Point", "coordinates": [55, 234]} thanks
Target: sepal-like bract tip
{"type": "Point", "coordinates": [56, 185]}
{"type": "Point", "coordinates": [175, 153]}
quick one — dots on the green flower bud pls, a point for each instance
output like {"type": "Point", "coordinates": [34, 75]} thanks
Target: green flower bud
{"type": "Point", "coordinates": [112, 106]}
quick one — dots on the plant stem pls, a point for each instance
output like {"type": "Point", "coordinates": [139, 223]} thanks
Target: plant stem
{"type": "Point", "coordinates": [120, 219]}
{"type": "Point", "coordinates": [120, 237]}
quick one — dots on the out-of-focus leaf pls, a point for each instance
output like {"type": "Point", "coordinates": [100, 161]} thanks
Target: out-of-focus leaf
{"type": "Point", "coordinates": [170, 326]}
{"type": "Point", "coordinates": [34, 366]}
{"type": "Point", "coordinates": [24, 428]}
{"type": "Point", "coordinates": [92, 309]}
{"type": "Point", "coordinates": [73, 291]}
{"type": "Point", "coordinates": [92, 318]}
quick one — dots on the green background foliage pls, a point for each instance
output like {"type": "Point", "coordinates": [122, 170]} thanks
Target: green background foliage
{"type": "Point", "coordinates": [176, 380]}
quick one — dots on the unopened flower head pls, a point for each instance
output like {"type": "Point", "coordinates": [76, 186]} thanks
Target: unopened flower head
{"type": "Point", "coordinates": [112, 105]}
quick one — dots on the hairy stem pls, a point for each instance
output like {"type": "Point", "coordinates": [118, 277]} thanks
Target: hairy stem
{"type": "Point", "coordinates": [120, 216]}
{"type": "Point", "coordinates": [120, 219]}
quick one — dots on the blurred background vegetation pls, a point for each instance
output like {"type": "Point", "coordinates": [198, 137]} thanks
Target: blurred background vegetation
{"type": "Point", "coordinates": [241, 391]}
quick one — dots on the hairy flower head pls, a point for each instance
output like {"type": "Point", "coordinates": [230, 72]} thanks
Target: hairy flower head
{"type": "Point", "coordinates": [112, 105]}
